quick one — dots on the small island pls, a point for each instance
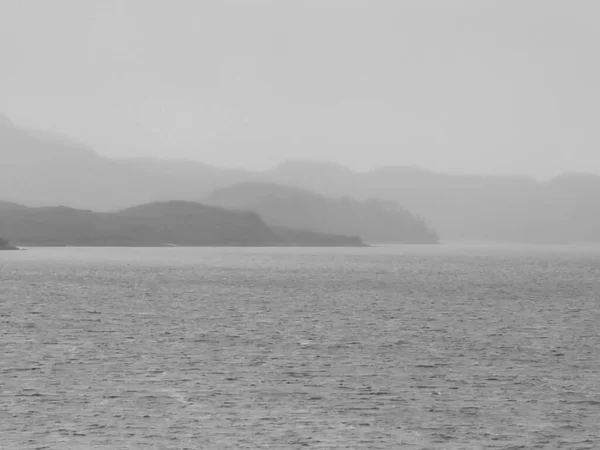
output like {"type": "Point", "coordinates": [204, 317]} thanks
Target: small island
{"type": "Point", "coordinates": [5, 245]}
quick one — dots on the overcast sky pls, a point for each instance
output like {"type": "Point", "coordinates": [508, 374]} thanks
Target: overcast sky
{"type": "Point", "coordinates": [459, 85]}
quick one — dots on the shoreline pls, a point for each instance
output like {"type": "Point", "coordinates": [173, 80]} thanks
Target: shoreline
{"type": "Point", "coordinates": [192, 246]}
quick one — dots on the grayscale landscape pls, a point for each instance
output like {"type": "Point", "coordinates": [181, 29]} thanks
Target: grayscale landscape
{"type": "Point", "coordinates": [312, 224]}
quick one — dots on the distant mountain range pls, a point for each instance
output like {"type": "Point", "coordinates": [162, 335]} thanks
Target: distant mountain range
{"type": "Point", "coordinates": [176, 223]}
{"type": "Point", "coordinates": [470, 207]}
{"type": "Point", "coordinates": [376, 221]}
{"type": "Point", "coordinates": [41, 169]}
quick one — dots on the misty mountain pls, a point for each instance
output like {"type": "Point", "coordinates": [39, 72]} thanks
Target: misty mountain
{"type": "Point", "coordinates": [155, 224]}
{"type": "Point", "coordinates": [7, 206]}
{"type": "Point", "coordinates": [473, 207]}
{"type": "Point", "coordinates": [373, 220]}
{"type": "Point", "coordinates": [42, 169]}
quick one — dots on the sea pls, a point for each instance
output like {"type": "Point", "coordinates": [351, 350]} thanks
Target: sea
{"type": "Point", "coordinates": [455, 346]}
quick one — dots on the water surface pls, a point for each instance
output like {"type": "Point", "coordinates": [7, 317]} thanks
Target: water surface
{"type": "Point", "coordinates": [433, 347]}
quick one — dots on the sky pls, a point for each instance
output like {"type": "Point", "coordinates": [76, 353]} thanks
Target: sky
{"type": "Point", "coordinates": [479, 86]}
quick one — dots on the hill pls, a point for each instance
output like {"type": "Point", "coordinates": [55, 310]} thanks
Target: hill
{"type": "Point", "coordinates": [472, 207]}
{"type": "Point", "coordinates": [155, 224]}
{"type": "Point", "coordinates": [5, 245]}
{"type": "Point", "coordinates": [42, 169]}
{"type": "Point", "coordinates": [7, 206]}
{"type": "Point", "coordinates": [373, 220]}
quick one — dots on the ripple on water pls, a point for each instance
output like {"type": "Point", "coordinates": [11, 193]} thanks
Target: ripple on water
{"type": "Point", "coordinates": [367, 348]}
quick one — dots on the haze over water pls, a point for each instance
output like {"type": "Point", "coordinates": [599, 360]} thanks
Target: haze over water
{"type": "Point", "coordinates": [438, 347]}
